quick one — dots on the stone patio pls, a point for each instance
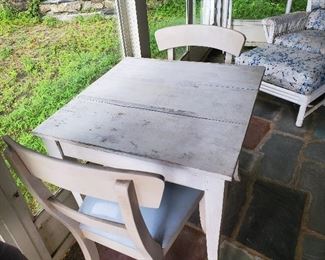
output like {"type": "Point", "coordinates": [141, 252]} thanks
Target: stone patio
{"type": "Point", "coordinates": [278, 208]}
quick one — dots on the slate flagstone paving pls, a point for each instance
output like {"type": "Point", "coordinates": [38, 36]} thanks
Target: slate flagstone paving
{"type": "Point", "coordinates": [272, 222]}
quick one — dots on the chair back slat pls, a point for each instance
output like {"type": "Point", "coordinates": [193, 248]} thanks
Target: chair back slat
{"type": "Point", "coordinates": [89, 180]}
{"type": "Point", "coordinates": [132, 252]}
{"type": "Point", "coordinates": [100, 224]}
{"type": "Point", "coordinates": [210, 36]}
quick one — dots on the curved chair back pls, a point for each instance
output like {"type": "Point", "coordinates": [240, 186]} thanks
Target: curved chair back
{"type": "Point", "coordinates": [215, 37]}
{"type": "Point", "coordinates": [90, 180]}
{"type": "Point", "coordinates": [130, 189]}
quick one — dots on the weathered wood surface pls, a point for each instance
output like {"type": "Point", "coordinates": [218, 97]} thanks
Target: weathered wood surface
{"type": "Point", "coordinates": [190, 114]}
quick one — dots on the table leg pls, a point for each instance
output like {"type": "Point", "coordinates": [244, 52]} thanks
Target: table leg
{"type": "Point", "coordinates": [202, 214]}
{"type": "Point", "coordinates": [236, 173]}
{"type": "Point", "coordinates": [53, 149]}
{"type": "Point", "coordinates": [211, 214]}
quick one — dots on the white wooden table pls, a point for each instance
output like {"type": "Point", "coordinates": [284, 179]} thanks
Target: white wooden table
{"type": "Point", "coordinates": [184, 120]}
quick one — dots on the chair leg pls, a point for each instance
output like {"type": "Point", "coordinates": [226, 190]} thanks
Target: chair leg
{"type": "Point", "coordinates": [202, 214]}
{"type": "Point", "coordinates": [89, 249]}
{"type": "Point", "coordinates": [236, 173]}
{"type": "Point", "coordinates": [301, 115]}
{"type": "Point", "coordinates": [87, 246]}
{"type": "Point", "coordinates": [228, 58]}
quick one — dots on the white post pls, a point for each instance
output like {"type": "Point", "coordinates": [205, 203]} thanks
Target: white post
{"type": "Point", "coordinates": [229, 24]}
{"type": "Point", "coordinates": [288, 7]}
{"type": "Point", "coordinates": [208, 12]}
{"type": "Point", "coordinates": [308, 8]}
{"type": "Point", "coordinates": [225, 12]}
{"type": "Point", "coordinates": [216, 12]}
{"type": "Point", "coordinates": [133, 27]}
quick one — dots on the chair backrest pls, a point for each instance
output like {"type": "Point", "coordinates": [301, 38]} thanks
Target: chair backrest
{"type": "Point", "coordinates": [315, 4]}
{"type": "Point", "coordinates": [130, 189]}
{"type": "Point", "coordinates": [95, 181]}
{"type": "Point", "coordinates": [215, 37]}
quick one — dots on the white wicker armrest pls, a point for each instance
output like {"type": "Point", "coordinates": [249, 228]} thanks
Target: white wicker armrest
{"type": "Point", "coordinates": [282, 24]}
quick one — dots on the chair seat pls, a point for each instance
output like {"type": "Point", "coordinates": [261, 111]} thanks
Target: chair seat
{"type": "Point", "coordinates": [307, 40]}
{"type": "Point", "coordinates": [296, 70]}
{"type": "Point", "coordinates": [177, 205]}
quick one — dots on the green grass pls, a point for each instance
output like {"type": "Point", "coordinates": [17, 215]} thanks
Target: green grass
{"type": "Point", "coordinates": [43, 66]}
{"type": "Point", "coordinates": [258, 9]}
{"type": "Point", "coordinates": [44, 63]}
{"type": "Point", "coordinates": [163, 15]}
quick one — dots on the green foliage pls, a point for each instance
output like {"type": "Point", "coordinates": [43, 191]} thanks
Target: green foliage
{"type": "Point", "coordinates": [12, 20]}
{"type": "Point", "coordinates": [47, 66]}
{"type": "Point", "coordinates": [51, 21]}
{"type": "Point", "coordinates": [52, 70]}
{"type": "Point", "coordinates": [6, 11]}
{"type": "Point", "coordinates": [299, 5]}
{"type": "Point", "coordinates": [258, 9]}
{"type": "Point", "coordinates": [29, 65]}
{"type": "Point", "coordinates": [161, 15]}
{"type": "Point", "coordinates": [33, 8]}
{"type": "Point", "coordinates": [168, 10]}
{"type": "Point", "coordinates": [44, 63]}
{"type": "Point", "coordinates": [5, 52]}
{"type": "Point", "coordinates": [153, 4]}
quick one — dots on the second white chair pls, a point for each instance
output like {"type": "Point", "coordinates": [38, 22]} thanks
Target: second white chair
{"type": "Point", "coordinates": [210, 36]}
{"type": "Point", "coordinates": [135, 213]}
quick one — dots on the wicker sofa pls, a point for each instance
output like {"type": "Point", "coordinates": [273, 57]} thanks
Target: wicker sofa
{"type": "Point", "coordinates": [300, 30]}
{"type": "Point", "coordinates": [294, 58]}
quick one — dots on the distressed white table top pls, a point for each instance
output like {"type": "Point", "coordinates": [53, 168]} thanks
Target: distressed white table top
{"type": "Point", "coordinates": [188, 113]}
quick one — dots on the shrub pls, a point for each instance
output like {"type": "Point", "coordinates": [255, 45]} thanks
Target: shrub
{"type": "Point", "coordinates": [33, 8]}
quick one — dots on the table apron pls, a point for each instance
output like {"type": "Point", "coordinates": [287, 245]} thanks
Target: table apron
{"type": "Point", "coordinates": [173, 173]}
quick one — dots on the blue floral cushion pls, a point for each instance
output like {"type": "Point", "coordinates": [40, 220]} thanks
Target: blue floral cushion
{"type": "Point", "coordinates": [308, 40]}
{"type": "Point", "coordinates": [296, 70]}
{"type": "Point", "coordinates": [316, 20]}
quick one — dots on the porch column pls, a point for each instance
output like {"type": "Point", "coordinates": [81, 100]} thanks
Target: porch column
{"type": "Point", "coordinates": [216, 12]}
{"type": "Point", "coordinates": [133, 27]}
{"type": "Point", "coordinates": [288, 6]}
{"type": "Point", "coordinates": [208, 12]}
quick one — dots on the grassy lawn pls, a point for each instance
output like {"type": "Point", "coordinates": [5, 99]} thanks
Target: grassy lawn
{"type": "Point", "coordinates": [44, 63]}
{"type": "Point", "coordinates": [257, 9]}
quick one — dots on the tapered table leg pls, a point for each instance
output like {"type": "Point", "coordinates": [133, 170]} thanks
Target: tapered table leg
{"type": "Point", "coordinates": [211, 214]}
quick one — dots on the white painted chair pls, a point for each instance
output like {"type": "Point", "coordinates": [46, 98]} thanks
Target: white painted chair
{"type": "Point", "coordinates": [210, 36]}
{"type": "Point", "coordinates": [132, 212]}
{"type": "Point", "coordinates": [293, 75]}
